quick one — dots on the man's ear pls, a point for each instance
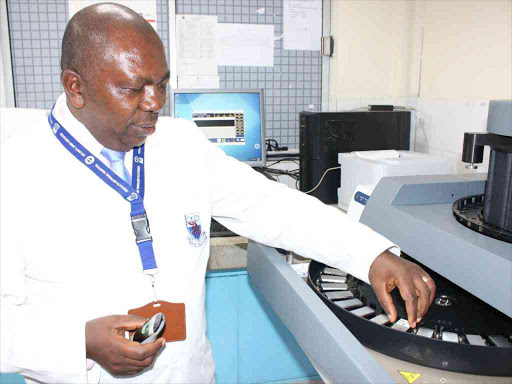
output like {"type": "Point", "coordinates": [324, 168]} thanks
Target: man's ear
{"type": "Point", "coordinates": [74, 87]}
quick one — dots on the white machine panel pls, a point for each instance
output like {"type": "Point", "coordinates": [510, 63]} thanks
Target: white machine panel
{"type": "Point", "coordinates": [368, 167]}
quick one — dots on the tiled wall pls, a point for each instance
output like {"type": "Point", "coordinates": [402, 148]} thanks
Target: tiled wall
{"type": "Point", "coordinates": [36, 29]}
{"type": "Point", "coordinates": [292, 85]}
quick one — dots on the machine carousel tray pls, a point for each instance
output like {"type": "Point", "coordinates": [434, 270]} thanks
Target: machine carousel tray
{"type": "Point", "coordinates": [459, 333]}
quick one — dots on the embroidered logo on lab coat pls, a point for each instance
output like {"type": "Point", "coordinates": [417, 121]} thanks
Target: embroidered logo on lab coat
{"type": "Point", "coordinates": [196, 235]}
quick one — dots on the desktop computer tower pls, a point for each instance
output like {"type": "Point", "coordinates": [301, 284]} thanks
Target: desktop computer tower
{"type": "Point", "coordinates": [325, 134]}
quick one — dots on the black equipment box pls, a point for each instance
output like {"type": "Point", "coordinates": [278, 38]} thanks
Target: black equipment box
{"type": "Point", "coordinates": [325, 134]}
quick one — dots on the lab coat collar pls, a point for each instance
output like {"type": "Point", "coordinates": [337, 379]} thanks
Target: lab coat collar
{"type": "Point", "coordinates": [76, 128]}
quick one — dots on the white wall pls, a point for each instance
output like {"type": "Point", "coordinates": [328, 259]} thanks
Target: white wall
{"type": "Point", "coordinates": [373, 48]}
{"type": "Point", "coordinates": [446, 58]}
{"type": "Point", "coordinates": [377, 52]}
{"type": "Point", "coordinates": [467, 50]}
{"type": "Point", "coordinates": [467, 61]}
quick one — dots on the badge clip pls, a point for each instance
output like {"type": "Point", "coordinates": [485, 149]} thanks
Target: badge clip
{"type": "Point", "coordinates": [152, 281]}
{"type": "Point", "coordinates": [140, 226]}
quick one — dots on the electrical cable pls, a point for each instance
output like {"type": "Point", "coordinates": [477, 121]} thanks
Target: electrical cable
{"type": "Point", "coordinates": [291, 159]}
{"type": "Point", "coordinates": [271, 146]}
{"type": "Point", "coordinates": [322, 178]}
{"type": "Point", "coordinates": [293, 173]}
{"type": "Point", "coordinates": [264, 172]}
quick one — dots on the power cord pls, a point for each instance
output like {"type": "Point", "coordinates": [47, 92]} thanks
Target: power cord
{"type": "Point", "coordinates": [294, 174]}
{"type": "Point", "coordinates": [264, 172]}
{"type": "Point", "coordinates": [273, 145]}
{"type": "Point", "coordinates": [322, 178]}
{"type": "Point", "coordinates": [270, 172]}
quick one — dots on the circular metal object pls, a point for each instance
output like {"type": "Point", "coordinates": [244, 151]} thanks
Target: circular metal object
{"type": "Point", "coordinates": [468, 212]}
{"type": "Point", "coordinates": [466, 315]}
{"type": "Point", "coordinates": [445, 301]}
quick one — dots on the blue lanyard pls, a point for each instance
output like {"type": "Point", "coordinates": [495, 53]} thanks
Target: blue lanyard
{"type": "Point", "coordinates": [134, 193]}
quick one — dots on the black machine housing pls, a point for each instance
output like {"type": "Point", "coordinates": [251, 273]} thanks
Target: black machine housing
{"type": "Point", "coordinates": [496, 209]}
{"type": "Point", "coordinates": [325, 134]}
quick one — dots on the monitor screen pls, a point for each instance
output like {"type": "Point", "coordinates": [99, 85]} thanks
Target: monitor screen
{"type": "Point", "coordinates": [230, 119]}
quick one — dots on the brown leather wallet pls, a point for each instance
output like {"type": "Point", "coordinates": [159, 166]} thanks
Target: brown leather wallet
{"type": "Point", "coordinates": [175, 322]}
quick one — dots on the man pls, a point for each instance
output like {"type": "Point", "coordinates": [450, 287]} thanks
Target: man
{"type": "Point", "coordinates": [70, 269]}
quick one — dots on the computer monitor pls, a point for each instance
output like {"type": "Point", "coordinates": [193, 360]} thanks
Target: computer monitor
{"type": "Point", "coordinates": [231, 119]}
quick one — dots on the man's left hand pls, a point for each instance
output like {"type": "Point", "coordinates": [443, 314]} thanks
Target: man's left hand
{"type": "Point", "coordinates": [415, 285]}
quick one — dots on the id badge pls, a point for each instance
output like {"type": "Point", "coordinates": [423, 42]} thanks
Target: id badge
{"type": "Point", "coordinates": [175, 322]}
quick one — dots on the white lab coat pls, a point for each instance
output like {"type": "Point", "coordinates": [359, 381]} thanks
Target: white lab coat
{"type": "Point", "coordinates": [68, 253]}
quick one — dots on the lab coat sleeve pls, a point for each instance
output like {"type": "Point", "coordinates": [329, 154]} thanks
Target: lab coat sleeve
{"type": "Point", "coordinates": [43, 341]}
{"type": "Point", "coordinates": [273, 214]}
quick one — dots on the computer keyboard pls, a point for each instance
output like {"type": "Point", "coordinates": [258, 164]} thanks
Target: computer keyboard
{"type": "Point", "coordinates": [218, 230]}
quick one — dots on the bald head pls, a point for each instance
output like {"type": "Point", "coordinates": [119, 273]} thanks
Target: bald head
{"type": "Point", "coordinates": [93, 33]}
{"type": "Point", "coordinates": [114, 74]}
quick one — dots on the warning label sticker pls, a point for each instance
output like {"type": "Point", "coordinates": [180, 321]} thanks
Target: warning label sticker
{"type": "Point", "coordinates": [410, 376]}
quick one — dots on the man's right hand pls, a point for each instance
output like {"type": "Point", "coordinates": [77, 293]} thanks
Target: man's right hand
{"type": "Point", "coordinates": [106, 344]}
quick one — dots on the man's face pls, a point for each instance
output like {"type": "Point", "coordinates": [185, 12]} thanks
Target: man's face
{"type": "Point", "coordinates": [125, 92]}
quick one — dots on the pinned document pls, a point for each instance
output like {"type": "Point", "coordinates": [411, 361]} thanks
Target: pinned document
{"type": "Point", "coordinates": [195, 36]}
{"type": "Point", "coordinates": [302, 24]}
{"type": "Point", "coordinates": [246, 44]}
